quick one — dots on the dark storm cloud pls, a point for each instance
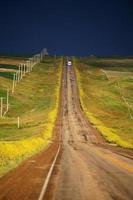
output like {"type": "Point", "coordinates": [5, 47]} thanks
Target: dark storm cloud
{"type": "Point", "coordinates": [67, 27]}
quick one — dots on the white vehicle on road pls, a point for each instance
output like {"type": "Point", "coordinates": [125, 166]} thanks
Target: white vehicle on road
{"type": "Point", "coordinates": [69, 63]}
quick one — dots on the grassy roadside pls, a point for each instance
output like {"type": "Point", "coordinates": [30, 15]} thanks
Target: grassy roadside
{"type": "Point", "coordinates": [101, 99]}
{"type": "Point", "coordinates": [36, 102]}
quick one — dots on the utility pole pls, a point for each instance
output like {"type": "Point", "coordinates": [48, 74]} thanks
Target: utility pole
{"type": "Point", "coordinates": [15, 76]}
{"type": "Point", "coordinates": [35, 60]}
{"type": "Point", "coordinates": [19, 73]}
{"type": "Point", "coordinates": [18, 77]}
{"type": "Point", "coordinates": [44, 53]}
{"type": "Point", "coordinates": [24, 71]}
{"type": "Point", "coordinates": [7, 100]}
{"type": "Point", "coordinates": [26, 66]}
{"type": "Point", "coordinates": [32, 63]}
{"type": "Point", "coordinates": [1, 106]}
{"type": "Point", "coordinates": [21, 70]}
{"type": "Point", "coordinates": [13, 84]}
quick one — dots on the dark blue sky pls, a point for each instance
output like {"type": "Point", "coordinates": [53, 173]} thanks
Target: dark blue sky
{"type": "Point", "coordinates": [76, 27]}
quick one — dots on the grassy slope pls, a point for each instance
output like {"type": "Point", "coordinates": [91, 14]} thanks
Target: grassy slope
{"type": "Point", "coordinates": [10, 60]}
{"type": "Point", "coordinates": [101, 98]}
{"type": "Point", "coordinates": [35, 101]}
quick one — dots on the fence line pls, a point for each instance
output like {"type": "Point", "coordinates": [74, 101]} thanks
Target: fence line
{"type": "Point", "coordinates": [125, 101]}
{"type": "Point", "coordinates": [105, 74]}
{"type": "Point", "coordinates": [121, 94]}
{"type": "Point", "coordinates": [23, 69]}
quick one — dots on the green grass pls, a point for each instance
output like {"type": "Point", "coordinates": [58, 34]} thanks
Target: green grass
{"type": "Point", "coordinates": [34, 97]}
{"type": "Point", "coordinates": [109, 63]}
{"type": "Point", "coordinates": [35, 101]}
{"type": "Point", "coordinates": [108, 111]}
{"type": "Point", "coordinates": [7, 74]}
{"type": "Point", "coordinates": [5, 66]}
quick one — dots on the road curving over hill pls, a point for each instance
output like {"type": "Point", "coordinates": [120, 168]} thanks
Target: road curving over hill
{"type": "Point", "coordinates": [86, 168]}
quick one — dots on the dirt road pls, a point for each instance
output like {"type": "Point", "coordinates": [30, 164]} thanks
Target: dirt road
{"type": "Point", "coordinates": [86, 168]}
{"type": "Point", "coordinates": [86, 171]}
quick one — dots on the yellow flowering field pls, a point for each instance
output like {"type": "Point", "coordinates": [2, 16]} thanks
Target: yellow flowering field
{"type": "Point", "coordinates": [13, 151]}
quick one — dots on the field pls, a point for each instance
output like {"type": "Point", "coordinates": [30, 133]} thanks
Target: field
{"type": "Point", "coordinates": [35, 102]}
{"type": "Point", "coordinates": [12, 60]}
{"type": "Point", "coordinates": [106, 96]}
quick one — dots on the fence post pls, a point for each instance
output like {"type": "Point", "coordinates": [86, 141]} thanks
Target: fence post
{"type": "Point", "coordinates": [13, 84]}
{"type": "Point", "coordinates": [7, 100]}
{"type": "Point", "coordinates": [1, 106]}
